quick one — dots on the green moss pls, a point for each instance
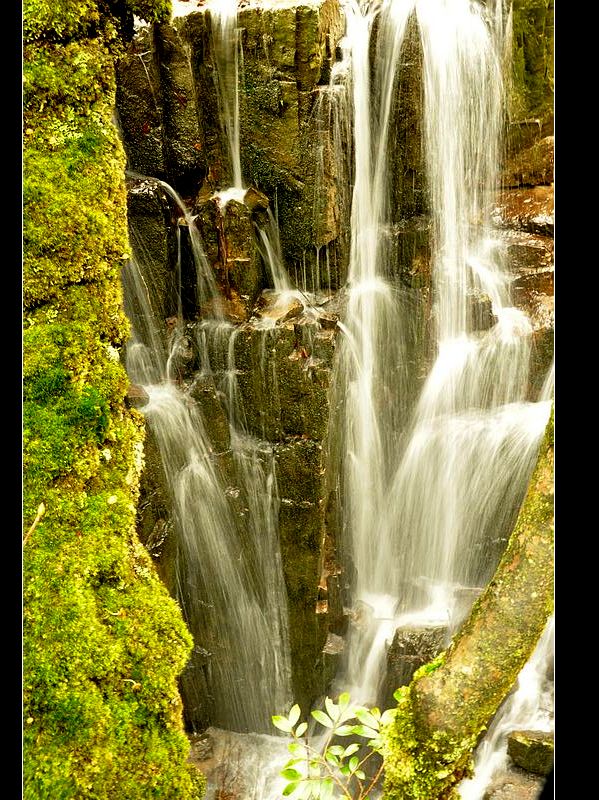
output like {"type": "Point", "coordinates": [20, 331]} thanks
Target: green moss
{"type": "Point", "coordinates": [78, 73]}
{"type": "Point", "coordinates": [415, 772]}
{"type": "Point", "coordinates": [74, 229]}
{"type": "Point", "coordinates": [58, 19]}
{"type": "Point", "coordinates": [432, 666]}
{"type": "Point", "coordinates": [150, 10]}
{"type": "Point", "coordinates": [532, 56]}
{"type": "Point", "coordinates": [104, 643]}
{"type": "Point", "coordinates": [61, 20]}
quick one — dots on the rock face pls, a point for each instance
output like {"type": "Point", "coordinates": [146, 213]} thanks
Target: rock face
{"type": "Point", "coordinates": [531, 750]}
{"type": "Point", "coordinates": [294, 170]}
{"type": "Point", "coordinates": [411, 648]}
{"type": "Point", "coordinates": [515, 785]}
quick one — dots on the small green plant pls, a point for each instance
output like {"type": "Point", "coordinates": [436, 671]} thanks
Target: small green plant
{"type": "Point", "coordinates": [331, 771]}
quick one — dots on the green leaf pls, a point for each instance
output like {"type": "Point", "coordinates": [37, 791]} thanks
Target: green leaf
{"type": "Point", "coordinates": [331, 758]}
{"type": "Point", "coordinates": [351, 749]}
{"type": "Point", "coordinates": [290, 788]}
{"type": "Point", "coordinates": [345, 730]}
{"type": "Point", "coordinates": [387, 716]}
{"type": "Point", "coordinates": [295, 747]}
{"type": "Point", "coordinates": [337, 750]}
{"type": "Point", "coordinates": [353, 763]}
{"type": "Point", "coordinates": [301, 729]}
{"type": "Point", "coordinates": [294, 715]}
{"type": "Point", "coordinates": [376, 712]}
{"type": "Point", "coordinates": [366, 717]}
{"type": "Point", "coordinates": [343, 701]}
{"type": "Point", "coordinates": [359, 774]}
{"type": "Point", "coordinates": [282, 723]}
{"type": "Point", "coordinates": [321, 717]}
{"type": "Point", "coordinates": [291, 774]}
{"type": "Point", "coordinates": [345, 770]}
{"type": "Point", "coordinates": [363, 730]}
{"type": "Point", "coordinates": [326, 789]}
{"type": "Point", "coordinates": [332, 709]}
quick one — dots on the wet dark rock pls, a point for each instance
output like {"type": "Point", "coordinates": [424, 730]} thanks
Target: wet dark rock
{"type": "Point", "coordinates": [527, 252]}
{"type": "Point", "coordinates": [158, 536]}
{"type": "Point", "coordinates": [206, 395]}
{"type": "Point", "coordinates": [136, 396]}
{"type": "Point", "coordinates": [183, 137]}
{"type": "Point", "coordinates": [532, 166]}
{"type": "Point", "coordinates": [531, 750]}
{"type": "Point", "coordinates": [139, 106]}
{"type": "Point", "coordinates": [283, 378]}
{"type": "Point", "coordinates": [406, 149]}
{"type": "Point", "coordinates": [480, 312]}
{"type": "Point", "coordinates": [522, 134]}
{"type": "Point", "coordinates": [153, 239]}
{"type": "Point", "coordinates": [330, 657]}
{"type": "Point", "coordinates": [411, 648]}
{"type": "Point", "coordinates": [228, 231]}
{"type": "Point", "coordinates": [514, 784]}
{"type": "Point", "coordinates": [202, 746]}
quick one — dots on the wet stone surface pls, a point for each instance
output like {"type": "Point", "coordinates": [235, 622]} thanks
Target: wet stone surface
{"type": "Point", "coordinates": [515, 784]}
{"type": "Point", "coordinates": [410, 649]}
{"type": "Point", "coordinates": [531, 750]}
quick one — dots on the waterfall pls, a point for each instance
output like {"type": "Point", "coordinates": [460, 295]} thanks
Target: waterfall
{"type": "Point", "coordinates": [229, 577]}
{"type": "Point", "coordinates": [429, 493]}
{"type": "Point", "coordinates": [225, 43]}
{"type": "Point", "coordinates": [226, 47]}
{"type": "Point", "coordinates": [432, 432]}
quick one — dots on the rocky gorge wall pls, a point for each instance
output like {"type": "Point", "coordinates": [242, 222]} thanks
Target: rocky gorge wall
{"type": "Point", "coordinates": [168, 113]}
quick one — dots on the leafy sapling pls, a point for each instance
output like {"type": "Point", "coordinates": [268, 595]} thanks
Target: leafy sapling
{"type": "Point", "coordinates": [331, 771]}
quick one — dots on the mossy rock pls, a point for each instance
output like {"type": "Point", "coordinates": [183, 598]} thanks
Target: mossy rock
{"type": "Point", "coordinates": [532, 56]}
{"type": "Point", "coordinates": [74, 228]}
{"type": "Point", "coordinates": [103, 642]}
{"type": "Point", "coordinates": [531, 750]}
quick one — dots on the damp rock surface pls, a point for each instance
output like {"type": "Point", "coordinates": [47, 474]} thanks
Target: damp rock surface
{"type": "Point", "coordinates": [515, 784]}
{"type": "Point", "coordinates": [531, 750]}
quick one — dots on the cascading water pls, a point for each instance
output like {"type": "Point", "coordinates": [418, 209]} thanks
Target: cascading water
{"type": "Point", "coordinates": [431, 442]}
{"type": "Point", "coordinates": [427, 496]}
{"type": "Point", "coordinates": [229, 575]}
{"type": "Point", "coordinates": [225, 43]}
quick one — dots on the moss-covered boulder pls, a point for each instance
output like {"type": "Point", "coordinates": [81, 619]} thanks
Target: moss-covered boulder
{"type": "Point", "coordinates": [103, 643]}
{"type": "Point", "coordinates": [531, 750]}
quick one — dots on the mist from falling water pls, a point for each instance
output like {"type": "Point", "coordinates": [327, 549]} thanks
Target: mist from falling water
{"type": "Point", "coordinates": [427, 499]}
{"type": "Point", "coordinates": [228, 573]}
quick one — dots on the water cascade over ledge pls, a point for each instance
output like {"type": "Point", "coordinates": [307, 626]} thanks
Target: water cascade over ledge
{"type": "Point", "coordinates": [430, 429]}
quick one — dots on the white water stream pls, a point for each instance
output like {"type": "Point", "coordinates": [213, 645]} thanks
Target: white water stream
{"type": "Point", "coordinates": [428, 487]}
{"type": "Point", "coordinates": [228, 574]}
